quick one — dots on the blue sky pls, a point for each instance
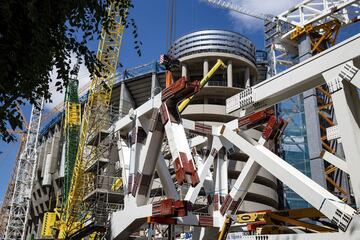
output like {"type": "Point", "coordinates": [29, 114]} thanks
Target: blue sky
{"type": "Point", "coordinates": [151, 17]}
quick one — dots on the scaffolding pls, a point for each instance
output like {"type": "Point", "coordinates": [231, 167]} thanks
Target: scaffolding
{"type": "Point", "coordinates": [72, 129]}
{"type": "Point", "coordinates": [95, 122]}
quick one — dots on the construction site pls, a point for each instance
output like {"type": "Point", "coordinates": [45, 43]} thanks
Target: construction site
{"type": "Point", "coordinates": [214, 139]}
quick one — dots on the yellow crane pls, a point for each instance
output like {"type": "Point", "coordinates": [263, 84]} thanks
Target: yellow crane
{"type": "Point", "coordinates": [94, 119]}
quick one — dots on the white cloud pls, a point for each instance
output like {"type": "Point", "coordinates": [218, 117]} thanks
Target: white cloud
{"type": "Point", "coordinates": [57, 97]}
{"type": "Point", "coordinates": [273, 7]}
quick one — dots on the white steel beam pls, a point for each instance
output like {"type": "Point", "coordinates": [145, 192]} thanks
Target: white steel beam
{"type": "Point", "coordinates": [165, 178]}
{"type": "Point", "coordinates": [242, 184]}
{"type": "Point", "coordinates": [297, 79]}
{"type": "Point", "coordinates": [249, 172]}
{"type": "Point", "coordinates": [203, 171]}
{"type": "Point", "coordinates": [335, 160]}
{"type": "Point", "coordinates": [197, 141]}
{"type": "Point", "coordinates": [136, 146]}
{"type": "Point", "coordinates": [208, 183]}
{"type": "Point", "coordinates": [336, 210]}
{"type": "Point", "coordinates": [204, 168]}
{"type": "Point", "coordinates": [124, 159]}
{"type": "Point", "coordinates": [346, 104]}
{"type": "Point", "coordinates": [185, 170]}
{"type": "Point", "coordinates": [356, 80]}
{"type": "Point", "coordinates": [125, 222]}
{"type": "Point", "coordinates": [125, 123]}
{"type": "Point", "coordinates": [221, 180]}
{"type": "Point", "coordinates": [149, 155]}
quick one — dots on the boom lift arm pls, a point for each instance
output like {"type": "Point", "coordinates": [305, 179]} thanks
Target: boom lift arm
{"type": "Point", "coordinates": [203, 82]}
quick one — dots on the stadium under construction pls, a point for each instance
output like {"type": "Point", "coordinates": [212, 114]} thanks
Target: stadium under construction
{"type": "Point", "coordinates": [215, 140]}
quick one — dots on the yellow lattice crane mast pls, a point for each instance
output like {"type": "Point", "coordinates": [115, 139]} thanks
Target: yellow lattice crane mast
{"type": "Point", "coordinates": [94, 120]}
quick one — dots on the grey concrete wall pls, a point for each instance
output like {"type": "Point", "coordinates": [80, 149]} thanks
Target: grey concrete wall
{"type": "Point", "coordinates": [126, 100]}
{"type": "Point", "coordinates": [312, 121]}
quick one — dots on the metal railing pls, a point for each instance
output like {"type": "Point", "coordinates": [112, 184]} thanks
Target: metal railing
{"type": "Point", "coordinates": [103, 182]}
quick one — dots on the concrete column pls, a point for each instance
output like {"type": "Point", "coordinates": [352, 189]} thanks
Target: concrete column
{"type": "Point", "coordinates": [312, 122]}
{"type": "Point", "coordinates": [206, 69]}
{"type": "Point", "coordinates": [224, 174]}
{"type": "Point", "coordinates": [155, 86]}
{"type": "Point", "coordinates": [229, 73]}
{"type": "Point", "coordinates": [55, 150]}
{"type": "Point", "coordinates": [41, 153]}
{"type": "Point", "coordinates": [47, 150]}
{"type": "Point", "coordinates": [217, 171]}
{"type": "Point", "coordinates": [183, 70]}
{"type": "Point", "coordinates": [165, 177]}
{"type": "Point", "coordinates": [126, 100]}
{"type": "Point", "coordinates": [62, 161]}
{"type": "Point", "coordinates": [344, 181]}
{"type": "Point", "coordinates": [47, 168]}
{"type": "Point", "coordinates": [247, 77]}
{"type": "Point", "coordinates": [206, 100]}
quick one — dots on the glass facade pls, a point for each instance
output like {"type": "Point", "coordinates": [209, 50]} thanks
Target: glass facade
{"type": "Point", "coordinates": [293, 147]}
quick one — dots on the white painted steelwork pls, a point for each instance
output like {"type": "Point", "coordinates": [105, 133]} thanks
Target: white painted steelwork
{"type": "Point", "coordinates": [334, 67]}
{"type": "Point", "coordinates": [20, 203]}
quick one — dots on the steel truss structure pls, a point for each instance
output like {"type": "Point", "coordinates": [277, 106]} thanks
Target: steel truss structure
{"type": "Point", "coordinates": [6, 205]}
{"type": "Point", "coordinates": [315, 23]}
{"type": "Point", "coordinates": [315, 27]}
{"type": "Point", "coordinates": [25, 174]}
{"type": "Point", "coordinates": [309, 16]}
{"type": "Point", "coordinates": [140, 155]}
{"type": "Point", "coordinates": [81, 216]}
{"type": "Point", "coordinates": [71, 129]}
{"type": "Point", "coordinates": [321, 19]}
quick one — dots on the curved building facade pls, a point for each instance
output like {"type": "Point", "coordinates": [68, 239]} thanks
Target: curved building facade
{"type": "Point", "coordinates": [213, 41]}
{"type": "Point", "coordinates": [197, 53]}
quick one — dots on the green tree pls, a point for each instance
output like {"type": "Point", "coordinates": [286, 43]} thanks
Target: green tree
{"type": "Point", "coordinates": [35, 36]}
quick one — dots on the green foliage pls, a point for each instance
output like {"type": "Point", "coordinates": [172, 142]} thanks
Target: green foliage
{"type": "Point", "coordinates": [36, 35]}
